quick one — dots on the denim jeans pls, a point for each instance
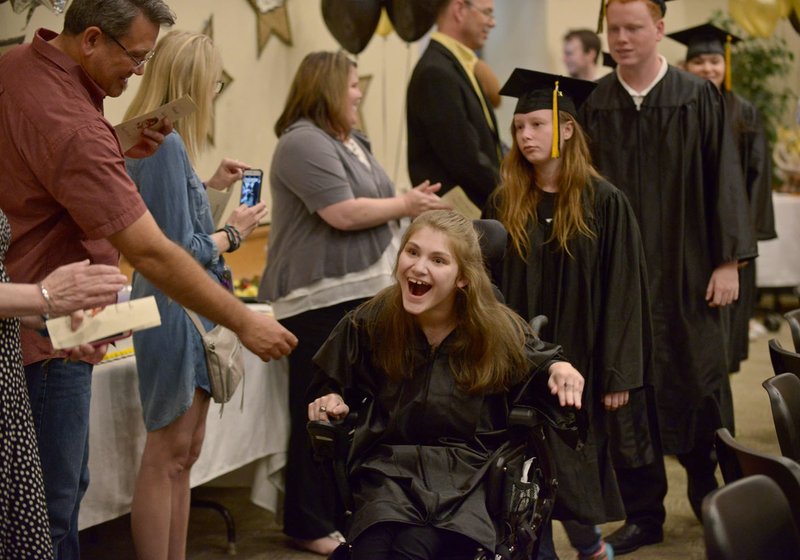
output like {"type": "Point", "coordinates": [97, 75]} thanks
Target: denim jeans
{"type": "Point", "coordinates": [60, 392]}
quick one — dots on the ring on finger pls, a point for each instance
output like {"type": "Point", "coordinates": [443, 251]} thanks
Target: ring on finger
{"type": "Point", "coordinates": [323, 409]}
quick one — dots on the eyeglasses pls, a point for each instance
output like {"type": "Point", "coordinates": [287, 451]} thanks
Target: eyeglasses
{"type": "Point", "coordinates": [487, 12]}
{"type": "Point", "coordinates": [219, 85]}
{"type": "Point", "coordinates": [137, 62]}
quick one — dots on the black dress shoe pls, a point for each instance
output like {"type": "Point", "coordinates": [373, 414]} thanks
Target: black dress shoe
{"type": "Point", "coordinates": [631, 536]}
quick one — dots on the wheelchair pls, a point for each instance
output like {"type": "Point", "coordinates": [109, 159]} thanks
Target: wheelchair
{"type": "Point", "coordinates": [520, 484]}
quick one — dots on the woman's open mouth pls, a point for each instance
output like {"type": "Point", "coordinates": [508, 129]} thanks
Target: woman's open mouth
{"type": "Point", "coordinates": [418, 287]}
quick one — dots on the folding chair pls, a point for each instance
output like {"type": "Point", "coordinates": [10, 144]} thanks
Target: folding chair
{"type": "Point", "coordinates": [783, 360]}
{"type": "Point", "coordinates": [793, 318]}
{"type": "Point", "coordinates": [784, 397]}
{"type": "Point", "coordinates": [749, 519]}
{"type": "Point", "coordinates": [737, 461]}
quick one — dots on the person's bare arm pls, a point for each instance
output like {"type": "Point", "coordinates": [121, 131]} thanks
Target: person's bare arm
{"type": "Point", "coordinates": [70, 287]}
{"type": "Point", "coordinates": [365, 212]}
{"type": "Point", "coordinates": [172, 270]}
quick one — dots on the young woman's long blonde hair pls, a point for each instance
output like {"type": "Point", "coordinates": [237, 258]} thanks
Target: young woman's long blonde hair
{"type": "Point", "coordinates": [487, 349]}
{"type": "Point", "coordinates": [184, 63]}
{"type": "Point", "coordinates": [517, 196]}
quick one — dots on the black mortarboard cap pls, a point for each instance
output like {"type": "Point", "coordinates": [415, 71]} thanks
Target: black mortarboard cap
{"type": "Point", "coordinates": [609, 61]}
{"type": "Point", "coordinates": [534, 91]}
{"type": "Point", "coordinates": [540, 90]}
{"type": "Point", "coordinates": [603, 3]}
{"type": "Point", "coordinates": [704, 39]}
{"type": "Point", "coordinates": [661, 4]}
{"type": "Point", "coordinates": [708, 39]}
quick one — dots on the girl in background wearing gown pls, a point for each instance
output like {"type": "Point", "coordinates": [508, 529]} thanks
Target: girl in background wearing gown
{"type": "Point", "coordinates": [575, 256]}
{"type": "Point", "coordinates": [439, 361]}
{"type": "Point", "coordinates": [706, 57]}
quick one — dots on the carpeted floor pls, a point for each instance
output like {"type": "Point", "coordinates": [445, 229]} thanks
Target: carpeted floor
{"type": "Point", "coordinates": [259, 536]}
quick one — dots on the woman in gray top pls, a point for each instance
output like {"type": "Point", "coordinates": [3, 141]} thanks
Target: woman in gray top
{"type": "Point", "coordinates": [335, 230]}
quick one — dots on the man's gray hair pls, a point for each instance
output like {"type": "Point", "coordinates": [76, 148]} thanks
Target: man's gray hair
{"type": "Point", "coordinates": [114, 16]}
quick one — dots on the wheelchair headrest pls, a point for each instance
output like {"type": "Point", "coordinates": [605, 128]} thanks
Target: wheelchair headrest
{"type": "Point", "coordinates": [493, 238]}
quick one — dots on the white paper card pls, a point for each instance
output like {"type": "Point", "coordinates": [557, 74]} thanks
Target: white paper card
{"type": "Point", "coordinates": [130, 132]}
{"type": "Point", "coordinates": [460, 202]}
{"type": "Point", "coordinates": [133, 315]}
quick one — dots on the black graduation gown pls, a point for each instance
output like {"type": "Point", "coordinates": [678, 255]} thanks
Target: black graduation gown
{"type": "Point", "coordinates": [676, 162]}
{"type": "Point", "coordinates": [756, 165]}
{"type": "Point", "coordinates": [422, 445]}
{"type": "Point", "coordinates": [598, 312]}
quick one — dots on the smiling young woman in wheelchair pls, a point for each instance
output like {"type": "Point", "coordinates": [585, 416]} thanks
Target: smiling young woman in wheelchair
{"type": "Point", "coordinates": [433, 365]}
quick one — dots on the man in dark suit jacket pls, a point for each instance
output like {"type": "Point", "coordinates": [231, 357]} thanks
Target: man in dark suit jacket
{"type": "Point", "coordinates": [452, 130]}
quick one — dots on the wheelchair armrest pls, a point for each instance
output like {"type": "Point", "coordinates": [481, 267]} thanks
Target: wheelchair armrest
{"type": "Point", "coordinates": [329, 441]}
{"type": "Point", "coordinates": [496, 480]}
{"type": "Point", "coordinates": [331, 444]}
{"type": "Point", "coordinates": [538, 324]}
{"type": "Point", "coordinates": [526, 416]}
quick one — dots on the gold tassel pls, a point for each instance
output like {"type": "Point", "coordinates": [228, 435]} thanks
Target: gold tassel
{"type": "Point", "coordinates": [602, 16]}
{"type": "Point", "coordinates": [728, 73]}
{"type": "Point", "coordinates": [555, 152]}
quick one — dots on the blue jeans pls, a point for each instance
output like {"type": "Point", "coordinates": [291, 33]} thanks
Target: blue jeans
{"type": "Point", "coordinates": [60, 392]}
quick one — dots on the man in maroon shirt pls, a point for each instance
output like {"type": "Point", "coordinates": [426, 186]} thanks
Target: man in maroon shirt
{"type": "Point", "coordinates": [68, 197]}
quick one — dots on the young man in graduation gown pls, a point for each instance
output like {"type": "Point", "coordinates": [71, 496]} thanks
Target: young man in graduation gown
{"type": "Point", "coordinates": [660, 135]}
{"type": "Point", "coordinates": [452, 130]}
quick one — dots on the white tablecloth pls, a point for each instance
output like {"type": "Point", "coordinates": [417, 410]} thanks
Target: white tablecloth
{"type": "Point", "coordinates": [778, 263]}
{"type": "Point", "coordinates": [117, 436]}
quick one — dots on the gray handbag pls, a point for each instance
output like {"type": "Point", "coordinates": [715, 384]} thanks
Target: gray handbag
{"type": "Point", "coordinates": [224, 359]}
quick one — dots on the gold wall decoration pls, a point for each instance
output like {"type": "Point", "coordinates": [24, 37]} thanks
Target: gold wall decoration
{"type": "Point", "coordinates": [55, 6]}
{"type": "Point", "coordinates": [208, 29]}
{"type": "Point", "coordinates": [272, 18]}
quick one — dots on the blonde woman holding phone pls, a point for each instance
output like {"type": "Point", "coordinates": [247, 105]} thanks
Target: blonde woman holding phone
{"type": "Point", "coordinates": [173, 378]}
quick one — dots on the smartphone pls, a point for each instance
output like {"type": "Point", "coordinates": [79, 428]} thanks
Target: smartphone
{"type": "Point", "coordinates": [251, 187]}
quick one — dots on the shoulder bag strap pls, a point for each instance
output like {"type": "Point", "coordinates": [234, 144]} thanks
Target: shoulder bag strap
{"type": "Point", "coordinates": [196, 320]}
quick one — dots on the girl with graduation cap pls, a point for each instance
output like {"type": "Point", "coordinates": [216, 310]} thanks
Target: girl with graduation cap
{"type": "Point", "coordinates": [576, 256]}
{"type": "Point", "coordinates": [708, 55]}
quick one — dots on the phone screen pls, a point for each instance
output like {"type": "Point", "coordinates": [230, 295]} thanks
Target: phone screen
{"type": "Point", "coordinates": [251, 187]}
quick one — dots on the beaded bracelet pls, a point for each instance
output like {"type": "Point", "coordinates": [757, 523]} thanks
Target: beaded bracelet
{"type": "Point", "coordinates": [237, 237]}
{"type": "Point", "coordinates": [234, 240]}
{"type": "Point", "coordinates": [237, 233]}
